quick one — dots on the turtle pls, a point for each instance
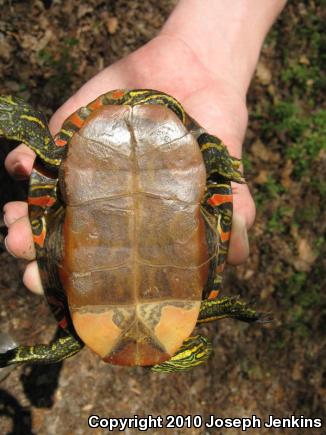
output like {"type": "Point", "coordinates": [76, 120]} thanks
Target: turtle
{"type": "Point", "coordinates": [131, 208]}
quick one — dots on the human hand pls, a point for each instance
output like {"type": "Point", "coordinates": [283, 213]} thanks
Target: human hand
{"type": "Point", "coordinates": [168, 64]}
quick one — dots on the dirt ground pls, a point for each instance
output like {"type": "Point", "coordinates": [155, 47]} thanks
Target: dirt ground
{"type": "Point", "coordinates": [47, 50]}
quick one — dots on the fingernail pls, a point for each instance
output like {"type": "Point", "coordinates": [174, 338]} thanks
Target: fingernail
{"type": "Point", "coordinates": [32, 279]}
{"type": "Point", "coordinates": [19, 171]}
{"type": "Point", "coordinates": [5, 219]}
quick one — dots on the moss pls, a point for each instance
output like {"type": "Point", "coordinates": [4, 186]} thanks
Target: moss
{"type": "Point", "coordinates": [303, 134]}
{"type": "Point", "coordinates": [306, 146]}
{"type": "Point", "coordinates": [303, 53]}
{"type": "Point", "coordinates": [247, 166]}
{"type": "Point", "coordinates": [303, 297]}
{"type": "Point", "coordinates": [272, 189]}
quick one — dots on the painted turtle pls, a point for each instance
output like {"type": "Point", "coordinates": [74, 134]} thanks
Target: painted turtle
{"type": "Point", "coordinates": [131, 208]}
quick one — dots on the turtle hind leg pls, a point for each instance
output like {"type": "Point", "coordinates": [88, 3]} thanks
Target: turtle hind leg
{"type": "Point", "coordinates": [56, 351]}
{"type": "Point", "coordinates": [220, 308]}
{"type": "Point", "coordinates": [193, 352]}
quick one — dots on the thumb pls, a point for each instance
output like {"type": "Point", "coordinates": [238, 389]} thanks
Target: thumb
{"type": "Point", "coordinates": [244, 211]}
{"type": "Point", "coordinates": [239, 244]}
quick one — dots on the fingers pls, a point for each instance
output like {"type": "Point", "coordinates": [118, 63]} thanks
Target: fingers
{"type": "Point", "coordinates": [19, 242]}
{"type": "Point", "coordinates": [19, 162]}
{"type": "Point", "coordinates": [14, 210]}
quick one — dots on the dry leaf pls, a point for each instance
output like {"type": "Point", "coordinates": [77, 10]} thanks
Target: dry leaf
{"type": "Point", "coordinates": [43, 42]}
{"type": "Point", "coordinates": [263, 74]}
{"type": "Point", "coordinates": [304, 60]}
{"type": "Point", "coordinates": [286, 174]}
{"type": "Point", "coordinates": [297, 371]}
{"type": "Point", "coordinates": [266, 292]}
{"type": "Point", "coordinates": [112, 25]}
{"type": "Point", "coordinates": [306, 256]}
{"type": "Point", "coordinates": [259, 150]}
{"type": "Point", "coordinates": [5, 48]}
{"type": "Point", "coordinates": [83, 10]}
{"type": "Point", "coordinates": [262, 177]}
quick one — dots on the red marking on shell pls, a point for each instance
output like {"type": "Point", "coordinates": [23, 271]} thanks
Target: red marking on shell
{"type": "Point", "coordinates": [133, 353]}
{"type": "Point", "coordinates": [96, 104]}
{"type": "Point", "coordinates": [39, 239]}
{"type": "Point", "coordinates": [42, 201]}
{"type": "Point", "coordinates": [60, 142]}
{"type": "Point", "coordinates": [119, 93]}
{"type": "Point", "coordinates": [76, 120]}
{"type": "Point", "coordinates": [213, 294]}
{"type": "Point", "coordinates": [225, 236]}
{"type": "Point", "coordinates": [218, 199]}
{"type": "Point", "coordinates": [63, 323]}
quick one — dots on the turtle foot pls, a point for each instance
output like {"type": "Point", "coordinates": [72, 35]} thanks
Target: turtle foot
{"type": "Point", "coordinates": [230, 307]}
{"type": "Point", "coordinates": [194, 352]}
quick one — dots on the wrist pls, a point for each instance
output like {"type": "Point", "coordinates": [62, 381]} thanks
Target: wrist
{"type": "Point", "coordinates": [226, 36]}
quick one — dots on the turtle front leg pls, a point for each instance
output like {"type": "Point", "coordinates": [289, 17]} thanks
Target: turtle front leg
{"type": "Point", "coordinates": [194, 351]}
{"type": "Point", "coordinates": [20, 122]}
{"type": "Point", "coordinates": [60, 349]}
{"type": "Point", "coordinates": [217, 159]}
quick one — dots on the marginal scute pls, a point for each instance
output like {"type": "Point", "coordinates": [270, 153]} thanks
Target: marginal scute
{"type": "Point", "coordinates": [134, 234]}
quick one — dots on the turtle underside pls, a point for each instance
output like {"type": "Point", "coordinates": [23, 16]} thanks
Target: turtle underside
{"type": "Point", "coordinates": [135, 257]}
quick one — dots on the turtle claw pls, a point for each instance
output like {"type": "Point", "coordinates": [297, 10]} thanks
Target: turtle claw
{"type": "Point", "coordinates": [265, 318]}
{"type": "Point", "coordinates": [7, 358]}
{"type": "Point", "coordinates": [7, 344]}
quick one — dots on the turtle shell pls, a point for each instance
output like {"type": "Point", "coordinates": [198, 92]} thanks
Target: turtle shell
{"type": "Point", "coordinates": [135, 257]}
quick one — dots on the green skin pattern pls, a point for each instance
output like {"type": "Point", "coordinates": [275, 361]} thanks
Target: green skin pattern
{"type": "Point", "coordinates": [21, 122]}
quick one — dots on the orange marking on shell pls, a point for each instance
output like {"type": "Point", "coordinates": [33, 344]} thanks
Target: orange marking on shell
{"type": "Point", "coordinates": [218, 199]}
{"type": "Point", "coordinates": [76, 120]}
{"type": "Point", "coordinates": [96, 104]}
{"type": "Point", "coordinates": [175, 325]}
{"type": "Point", "coordinates": [60, 142]}
{"type": "Point", "coordinates": [42, 201]}
{"type": "Point", "coordinates": [119, 93]}
{"type": "Point", "coordinates": [97, 330]}
{"type": "Point", "coordinates": [224, 235]}
{"type": "Point", "coordinates": [213, 294]}
{"type": "Point", "coordinates": [39, 239]}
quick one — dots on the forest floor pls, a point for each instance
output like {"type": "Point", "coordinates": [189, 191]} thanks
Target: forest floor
{"type": "Point", "coordinates": [278, 369]}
